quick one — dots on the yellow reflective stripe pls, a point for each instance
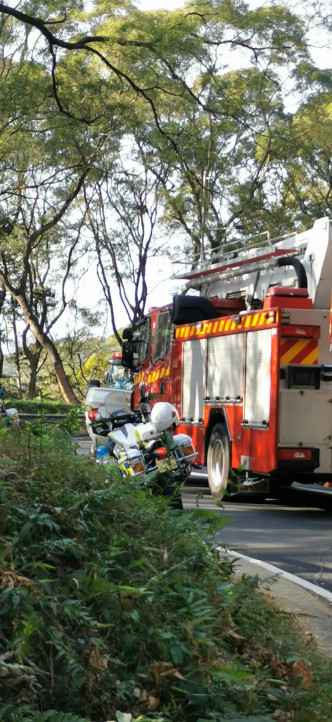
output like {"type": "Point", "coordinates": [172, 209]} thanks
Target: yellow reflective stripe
{"type": "Point", "coordinates": [312, 358]}
{"type": "Point", "coordinates": [225, 325]}
{"type": "Point", "coordinates": [291, 355]}
{"type": "Point", "coordinates": [296, 347]}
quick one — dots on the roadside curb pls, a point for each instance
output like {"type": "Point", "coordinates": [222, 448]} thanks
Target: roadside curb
{"type": "Point", "coordinates": [292, 594]}
{"type": "Point", "coordinates": [276, 571]}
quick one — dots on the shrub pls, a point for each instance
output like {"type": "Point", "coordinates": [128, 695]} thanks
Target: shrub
{"type": "Point", "coordinates": [114, 608]}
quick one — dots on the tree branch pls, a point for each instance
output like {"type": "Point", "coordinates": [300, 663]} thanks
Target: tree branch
{"type": "Point", "coordinates": [41, 25]}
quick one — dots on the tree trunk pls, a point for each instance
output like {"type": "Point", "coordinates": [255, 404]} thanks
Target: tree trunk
{"type": "Point", "coordinates": [49, 347]}
{"type": "Point", "coordinates": [33, 362]}
{"type": "Point", "coordinates": [17, 351]}
{"type": "Point", "coordinates": [33, 359]}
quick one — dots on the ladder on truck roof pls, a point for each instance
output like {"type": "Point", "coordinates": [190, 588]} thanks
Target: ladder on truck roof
{"type": "Point", "coordinates": [304, 254]}
{"type": "Point", "coordinates": [236, 253]}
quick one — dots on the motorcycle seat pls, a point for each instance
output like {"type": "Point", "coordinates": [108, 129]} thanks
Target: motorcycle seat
{"type": "Point", "coordinates": [119, 418]}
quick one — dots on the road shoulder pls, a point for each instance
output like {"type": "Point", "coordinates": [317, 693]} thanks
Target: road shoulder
{"type": "Point", "coordinates": [290, 593]}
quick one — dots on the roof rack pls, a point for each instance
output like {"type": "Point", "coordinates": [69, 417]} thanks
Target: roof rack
{"type": "Point", "coordinates": [241, 250]}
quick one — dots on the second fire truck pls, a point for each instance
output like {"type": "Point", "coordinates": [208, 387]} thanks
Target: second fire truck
{"type": "Point", "coordinates": [248, 361]}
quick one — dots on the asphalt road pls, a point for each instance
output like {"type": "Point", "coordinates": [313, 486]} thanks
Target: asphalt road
{"type": "Point", "coordinates": [292, 532]}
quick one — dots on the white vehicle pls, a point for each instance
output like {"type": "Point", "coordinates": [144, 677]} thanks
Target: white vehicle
{"type": "Point", "coordinates": [102, 401]}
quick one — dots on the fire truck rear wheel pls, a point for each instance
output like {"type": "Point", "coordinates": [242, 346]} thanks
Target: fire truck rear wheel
{"type": "Point", "coordinates": [218, 461]}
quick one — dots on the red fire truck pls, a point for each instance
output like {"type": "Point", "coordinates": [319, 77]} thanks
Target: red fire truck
{"type": "Point", "coordinates": [245, 355]}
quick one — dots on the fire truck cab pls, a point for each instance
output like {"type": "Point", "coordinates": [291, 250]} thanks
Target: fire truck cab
{"type": "Point", "coordinates": [248, 361]}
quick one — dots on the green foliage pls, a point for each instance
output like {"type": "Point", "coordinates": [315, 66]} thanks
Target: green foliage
{"type": "Point", "coordinates": [113, 607]}
{"type": "Point", "coordinates": [72, 421]}
{"type": "Point", "coordinates": [96, 365]}
{"type": "Point", "coordinates": [23, 714]}
{"type": "Point", "coordinates": [197, 101]}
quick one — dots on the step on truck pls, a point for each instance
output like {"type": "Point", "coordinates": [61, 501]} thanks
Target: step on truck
{"type": "Point", "coordinates": [244, 353]}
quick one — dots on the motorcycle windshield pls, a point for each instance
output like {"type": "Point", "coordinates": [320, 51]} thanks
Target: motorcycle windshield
{"type": "Point", "coordinates": [124, 437]}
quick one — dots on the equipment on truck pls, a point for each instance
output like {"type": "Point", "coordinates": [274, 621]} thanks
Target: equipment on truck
{"type": "Point", "coordinates": [247, 363]}
{"type": "Point", "coordinates": [101, 401]}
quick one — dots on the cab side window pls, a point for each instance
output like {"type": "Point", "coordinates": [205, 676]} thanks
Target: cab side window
{"type": "Point", "coordinates": [162, 335]}
{"type": "Point", "coordinates": [141, 339]}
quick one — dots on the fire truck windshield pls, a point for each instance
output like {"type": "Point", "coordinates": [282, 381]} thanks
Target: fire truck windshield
{"type": "Point", "coordinates": [117, 377]}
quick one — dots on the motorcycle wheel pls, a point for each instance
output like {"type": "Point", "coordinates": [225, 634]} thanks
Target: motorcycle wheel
{"type": "Point", "coordinates": [165, 486]}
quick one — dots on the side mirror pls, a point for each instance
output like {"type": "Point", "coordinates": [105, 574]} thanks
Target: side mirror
{"type": "Point", "coordinates": [127, 349]}
{"type": "Point", "coordinates": [143, 393]}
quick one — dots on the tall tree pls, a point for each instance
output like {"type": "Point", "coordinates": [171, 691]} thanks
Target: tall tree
{"type": "Point", "coordinates": [202, 92]}
{"type": "Point", "coordinates": [122, 213]}
{"type": "Point", "coordinates": [20, 250]}
{"type": "Point", "coordinates": [239, 153]}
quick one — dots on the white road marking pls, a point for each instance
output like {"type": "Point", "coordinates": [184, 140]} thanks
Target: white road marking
{"type": "Point", "coordinates": [281, 573]}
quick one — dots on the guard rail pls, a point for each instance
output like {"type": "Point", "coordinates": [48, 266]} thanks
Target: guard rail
{"type": "Point", "coordinates": [46, 417]}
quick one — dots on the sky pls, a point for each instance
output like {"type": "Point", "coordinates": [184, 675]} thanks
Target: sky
{"type": "Point", "coordinates": [159, 4]}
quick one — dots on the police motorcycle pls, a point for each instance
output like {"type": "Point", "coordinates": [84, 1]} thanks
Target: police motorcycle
{"type": "Point", "coordinates": [143, 443]}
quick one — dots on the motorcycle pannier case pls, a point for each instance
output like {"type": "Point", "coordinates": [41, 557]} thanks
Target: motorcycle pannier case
{"type": "Point", "coordinates": [132, 463]}
{"type": "Point", "coordinates": [184, 447]}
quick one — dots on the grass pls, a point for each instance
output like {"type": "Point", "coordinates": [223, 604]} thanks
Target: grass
{"type": "Point", "coordinates": [114, 608]}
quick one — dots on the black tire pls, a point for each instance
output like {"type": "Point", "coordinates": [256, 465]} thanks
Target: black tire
{"type": "Point", "coordinates": [218, 461]}
{"type": "Point", "coordinates": [94, 382]}
{"type": "Point", "coordinates": [280, 481]}
{"type": "Point", "coordinates": [164, 486]}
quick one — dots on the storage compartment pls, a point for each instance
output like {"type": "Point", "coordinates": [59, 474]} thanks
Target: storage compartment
{"type": "Point", "coordinates": [132, 463]}
{"type": "Point", "coordinates": [184, 444]}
